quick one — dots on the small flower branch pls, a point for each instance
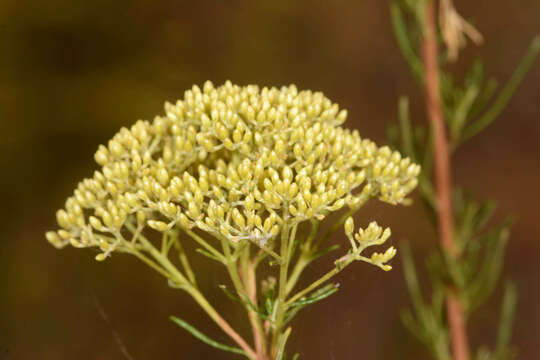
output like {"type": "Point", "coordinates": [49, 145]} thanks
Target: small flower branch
{"type": "Point", "coordinates": [372, 235]}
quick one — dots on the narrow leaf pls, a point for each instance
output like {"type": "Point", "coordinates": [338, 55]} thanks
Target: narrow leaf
{"type": "Point", "coordinates": [407, 141]}
{"type": "Point", "coordinates": [486, 279]}
{"type": "Point", "coordinates": [209, 255]}
{"type": "Point", "coordinates": [318, 296]}
{"type": "Point", "coordinates": [484, 98]}
{"type": "Point", "coordinates": [253, 307]}
{"type": "Point", "coordinates": [205, 338]}
{"type": "Point", "coordinates": [412, 282]}
{"type": "Point", "coordinates": [229, 294]}
{"type": "Point", "coordinates": [462, 110]}
{"type": "Point", "coordinates": [324, 251]}
{"type": "Point", "coordinates": [282, 341]}
{"type": "Point", "coordinates": [506, 93]}
{"type": "Point", "coordinates": [402, 36]}
{"type": "Point", "coordinates": [502, 349]}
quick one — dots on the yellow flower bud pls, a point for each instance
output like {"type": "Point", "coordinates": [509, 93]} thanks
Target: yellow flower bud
{"type": "Point", "coordinates": [349, 227]}
{"type": "Point", "coordinates": [158, 225]}
{"type": "Point", "coordinates": [100, 257]}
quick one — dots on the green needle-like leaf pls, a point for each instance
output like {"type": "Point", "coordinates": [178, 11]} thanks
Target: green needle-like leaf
{"type": "Point", "coordinates": [208, 255]}
{"type": "Point", "coordinates": [199, 335]}
{"type": "Point", "coordinates": [404, 42]}
{"type": "Point", "coordinates": [506, 93]}
{"type": "Point", "coordinates": [412, 282]}
{"type": "Point", "coordinates": [502, 349]}
{"type": "Point", "coordinates": [253, 307]}
{"type": "Point", "coordinates": [318, 295]}
{"type": "Point", "coordinates": [484, 98]}
{"type": "Point", "coordinates": [324, 252]}
{"type": "Point", "coordinates": [228, 293]}
{"type": "Point", "coordinates": [486, 278]}
{"type": "Point", "coordinates": [407, 141]}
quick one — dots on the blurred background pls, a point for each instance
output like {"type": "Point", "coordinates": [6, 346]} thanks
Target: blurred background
{"type": "Point", "coordinates": [73, 72]}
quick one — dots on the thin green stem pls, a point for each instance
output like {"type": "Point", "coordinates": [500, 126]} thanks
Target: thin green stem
{"type": "Point", "coordinates": [283, 269]}
{"type": "Point", "coordinates": [321, 280]}
{"type": "Point", "coordinates": [267, 250]}
{"type": "Point", "coordinates": [231, 266]}
{"type": "Point", "coordinates": [183, 259]}
{"type": "Point", "coordinates": [292, 242]}
{"type": "Point", "coordinates": [299, 267]}
{"type": "Point", "coordinates": [337, 225]}
{"type": "Point", "coordinates": [205, 245]}
{"type": "Point", "coordinates": [177, 276]}
{"type": "Point", "coordinates": [305, 256]}
{"type": "Point", "coordinates": [149, 262]}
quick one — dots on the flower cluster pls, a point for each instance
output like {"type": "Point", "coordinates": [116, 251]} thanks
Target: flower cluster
{"type": "Point", "coordinates": [235, 162]}
{"type": "Point", "coordinates": [371, 236]}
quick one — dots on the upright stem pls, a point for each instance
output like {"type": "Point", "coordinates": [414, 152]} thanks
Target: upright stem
{"type": "Point", "coordinates": [458, 335]}
{"type": "Point", "coordinates": [282, 294]}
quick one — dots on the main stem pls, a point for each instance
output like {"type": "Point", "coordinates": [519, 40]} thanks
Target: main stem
{"type": "Point", "coordinates": [454, 309]}
{"type": "Point", "coordinates": [248, 272]}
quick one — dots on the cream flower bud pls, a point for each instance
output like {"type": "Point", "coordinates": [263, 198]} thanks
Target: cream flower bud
{"type": "Point", "coordinates": [101, 156]}
{"type": "Point", "coordinates": [349, 227]}
{"type": "Point", "coordinates": [158, 225]}
{"type": "Point", "coordinates": [53, 238]}
{"type": "Point", "coordinates": [63, 218]}
{"type": "Point", "coordinates": [96, 223]}
{"type": "Point", "coordinates": [184, 221]}
{"type": "Point", "coordinates": [100, 257]}
{"type": "Point", "coordinates": [116, 148]}
{"type": "Point", "coordinates": [193, 210]}
{"type": "Point", "coordinates": [238, 218]}
{"type": "Point", "coordinates": [163, 176]}
{"type": "Point", "coordinates": [249, 202]}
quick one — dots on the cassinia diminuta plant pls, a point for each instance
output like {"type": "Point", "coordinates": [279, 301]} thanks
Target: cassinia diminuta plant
{"type": "Point", "coordinates": [238, 170]}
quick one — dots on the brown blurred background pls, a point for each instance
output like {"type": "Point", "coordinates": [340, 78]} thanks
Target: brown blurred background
{"type": "Point", "coordinates": [73, 72]}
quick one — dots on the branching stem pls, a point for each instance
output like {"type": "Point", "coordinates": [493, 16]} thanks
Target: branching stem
{"type": "Point", "coordinates": [172, 273]}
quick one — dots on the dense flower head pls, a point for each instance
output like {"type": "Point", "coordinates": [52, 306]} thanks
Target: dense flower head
{"type": "Point", "coordinates": [232, 161]}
